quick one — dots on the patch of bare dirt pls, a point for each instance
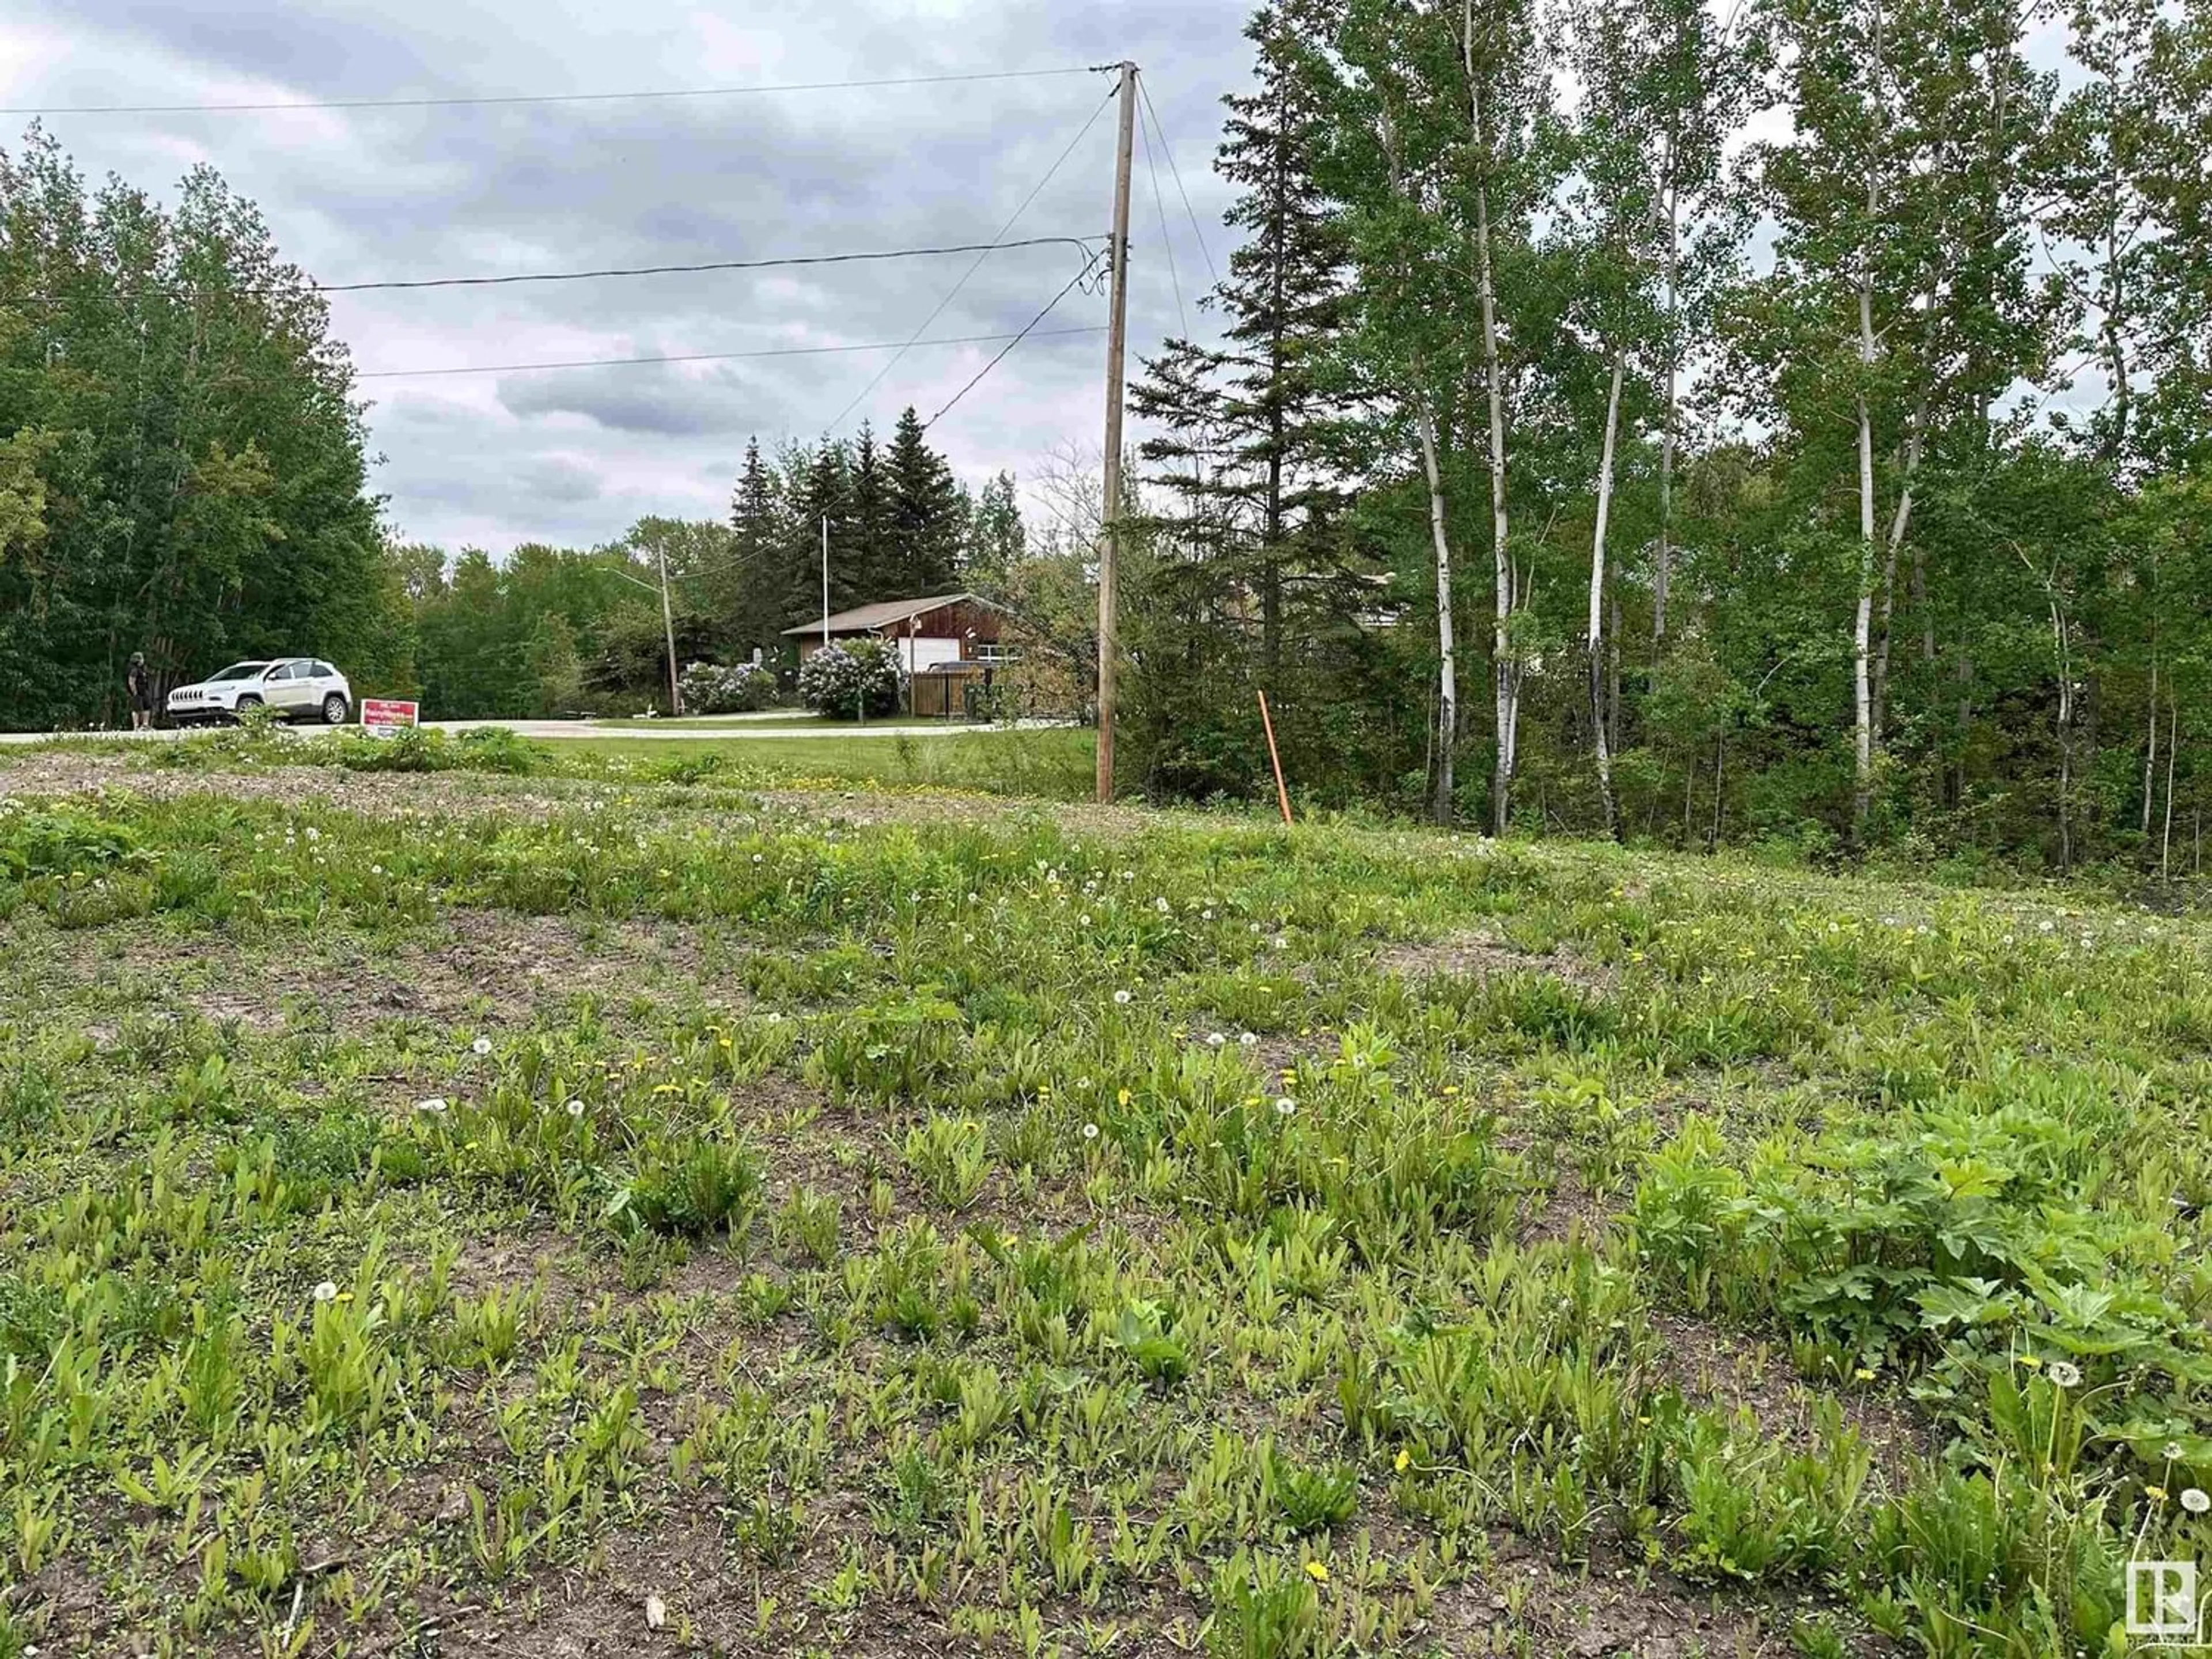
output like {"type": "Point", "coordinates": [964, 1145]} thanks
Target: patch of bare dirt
{"type": "Point", "coordinates": [1600, 1617]}
{"type": "Point", "coordinates": [1476, 955]}
{"type": "Point", "coordinates": [496, 966]}
{"type": "Point", "coordinates": [1735, 1370]}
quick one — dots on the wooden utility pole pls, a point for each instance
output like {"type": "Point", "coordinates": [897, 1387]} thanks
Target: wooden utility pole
{"type": "Point", "coordinates": [1116, 339]}
{"type": "Point", "coordinates": [668, 627]}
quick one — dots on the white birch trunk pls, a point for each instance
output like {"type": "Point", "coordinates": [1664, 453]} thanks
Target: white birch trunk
{"type": "Point", "coordinates": [1598, 712]}
{"type": "Point", "coordinates": [1663, 561]}
{"type": "Point", "coordinates": [1504, 673]}
{"type": "Point", "coordinates": [1447, 672]}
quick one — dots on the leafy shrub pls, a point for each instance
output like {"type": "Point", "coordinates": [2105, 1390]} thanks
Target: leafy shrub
{"type": "Point", "coordinates": [61, 844]}
{"type": "Point", "coordinates": [852, 679]}
{"type": "Point", "coordinates": [417, 749]}
{"type": "Point", "coordinates": [709, 687]}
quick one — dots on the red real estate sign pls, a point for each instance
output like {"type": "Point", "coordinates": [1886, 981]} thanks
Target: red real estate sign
{"type": "Point", "coordinates": [381, 717]}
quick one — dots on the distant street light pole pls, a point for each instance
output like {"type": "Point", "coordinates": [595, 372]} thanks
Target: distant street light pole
{"type": "Point", "coordinates": [825, 582]}
{"type": "Point", "coordinates": [668, 626]}
{"type": "Point", "coordinates": [1116, 339]}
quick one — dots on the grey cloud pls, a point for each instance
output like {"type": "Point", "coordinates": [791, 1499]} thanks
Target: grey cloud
{"type": "Point", "coordinates": [575, 456]}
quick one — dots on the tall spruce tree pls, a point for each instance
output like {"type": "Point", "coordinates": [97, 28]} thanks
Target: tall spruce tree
{"type": "Point", "coordinates": [759, 590]}
{"type": "Point", "coordinates": [872, 574]}
{"type": "Point", "coordinates": [1247, 454]}
{"type": "Point", "coordinates": [926, 513]}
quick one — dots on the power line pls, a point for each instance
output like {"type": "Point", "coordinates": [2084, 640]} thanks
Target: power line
{"type": "Point", "coordinates": [1016, 341]}
{"type": "Point", "coordinates": [715, 264]}
{"type": "Point", "coordinates": [1166, 242]}
{"type": "Point", "coordinates": [951, 292]}
{"type": "Point", "coordinates": [501, 99]}
{"type": "Point", "coordinates": [710, 356]}
{"type": "Point", "coordinates": [1175, 173]}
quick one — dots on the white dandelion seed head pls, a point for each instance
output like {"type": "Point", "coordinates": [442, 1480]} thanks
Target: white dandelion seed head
{"type": "Point", "coordinates": [1247, 1039]}
{"type": "Point", "coordinates": [1090, 1132]}
{"type": "Point", "coordinates": [1214, 1039]}
{"type": "Point", "coordinates": [2194, 1500]}
{"type": "Point", "coordinates": [575, 1108]}
{"type": "Point", "coordinates": [1122, 998]}
{"type": "Point", "coordinates": [314, 833]}
{"type": "Point", "coordinates": [1206, 914]}
{"type": "Point", "coordinates": [1160, 905]}
{"type": "Point", "coordinates": [1083, 921]}
{"type": "Point", "coordinates": [481, 1047]}
{"type": "Point", "coordinates": [2174, 1451]}
{"type": "Point", "coordinates": [433, 1105]}
{"type": "Point", "coordinates": [327, 1292]}
{"type": "Point", "coordinates": [1285, 1106]}
{"type": "Point", "coordinates": [2065, 1373]}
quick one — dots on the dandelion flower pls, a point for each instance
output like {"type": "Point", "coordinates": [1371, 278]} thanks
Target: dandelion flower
{"type": "Point", "coordinates": [575, 1108]}
{"type": "Point", "coordinates": [1090, 1132]}
{"type": "Point", "coordinates": [1316, 1571]}
{"type": "Point", "coordinates": [1285, 1106]}
{"type": "Point", "coordinates": [2194, 1500]}
{"type": "Point", "coordinates": [1122, 1096]}
{"type": "Point", "coordinates": [1215, 1040]}
{"type": "Point", "coordinates": [1247, 1039]}
{"type": "Point", "coordinates": [2065, 1373]}
{"type": "Point", "coordinates": [1402, 1461]}
{"type": "Point", "coordinates": [1120, 998]}
{"type": "Point", "coordinates": [1863, 1375]}
{"type": "Point", "coordinates": [435, 1104]}
{"type": "Point", "coordinates": [481, 1047]}
{"type": "Point", "coordinates": [2157, 1494]}
{"type": "Point", "coordinates": [327, 1292]}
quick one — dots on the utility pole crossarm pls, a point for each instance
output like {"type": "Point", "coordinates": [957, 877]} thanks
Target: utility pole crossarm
{"type": "Point", "coordinates": [1116, 342]}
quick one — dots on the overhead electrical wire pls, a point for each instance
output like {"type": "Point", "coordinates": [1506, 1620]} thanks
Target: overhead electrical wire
{"type": "Point", "coordinates": [1016, 341]}
{"type": "Point", "coordinates": [953, 292]}
{"type": "Point", "coordinates": [1166, 242]}
{"type": "Point", "coordinates": [490, 99]}
{"type": "Point", "coordinates": [1077, 242]}
{"type": "Point", "coordinates": [713, 357]}
{"type": "Point", "coordinates": [1175, 173]}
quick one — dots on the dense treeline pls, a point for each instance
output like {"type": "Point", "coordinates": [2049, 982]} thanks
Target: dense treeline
{"type": "Point", "coordinates": [1804, 417]}
{"type": "Point", "coordinates": [181, 467]}
{"type": "Point", "coordinates": [552, 630]}
{"type": "Point", "coordinates": [182, 473]}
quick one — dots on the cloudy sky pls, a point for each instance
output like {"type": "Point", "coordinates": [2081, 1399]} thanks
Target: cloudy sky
{"type": "Point", "coordinates": [574, 456]}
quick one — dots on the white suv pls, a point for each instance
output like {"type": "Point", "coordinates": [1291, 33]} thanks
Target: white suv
{"type": "Point", "coordinates": [293, 687]}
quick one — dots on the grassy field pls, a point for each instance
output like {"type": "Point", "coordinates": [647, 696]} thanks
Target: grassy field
{"type": "Point", "coordinates": [1051, 764]}
{"type": "Point", "coordinates": [457, 1213]}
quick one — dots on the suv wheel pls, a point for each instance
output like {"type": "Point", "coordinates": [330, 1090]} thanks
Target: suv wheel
{"type": "Point", "coordinates": [247, 701]}
{"type": "Point", "coordinates": [334, 710]}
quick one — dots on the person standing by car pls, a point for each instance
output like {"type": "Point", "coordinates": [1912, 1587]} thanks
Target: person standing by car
{"type": "Point", "coordinates": [139, 683]}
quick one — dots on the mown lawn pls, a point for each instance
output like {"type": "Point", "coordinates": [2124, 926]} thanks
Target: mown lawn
{"type": "Point", "coordinates": [1054, 764]}
{"type": "Point", "coordinates": [564, 1213]}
